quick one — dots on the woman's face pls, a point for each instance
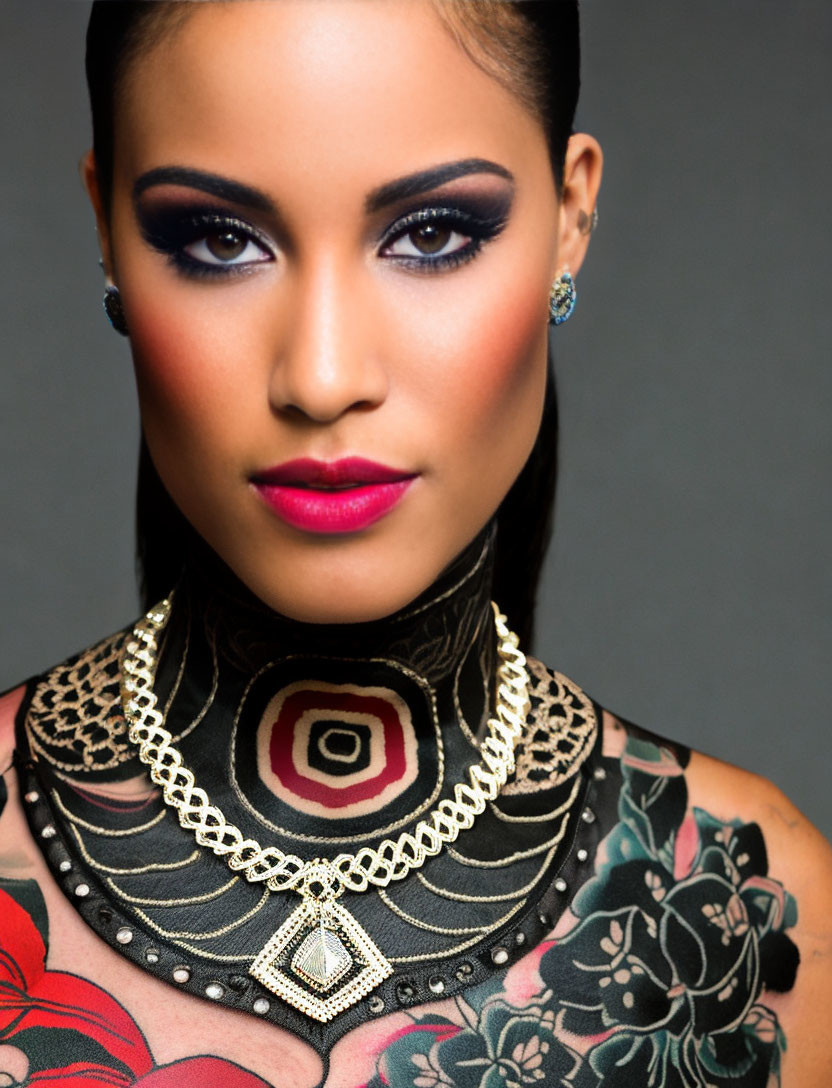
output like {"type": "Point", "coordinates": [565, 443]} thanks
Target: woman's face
{"type": "Point", "coordinates": [334, 237]}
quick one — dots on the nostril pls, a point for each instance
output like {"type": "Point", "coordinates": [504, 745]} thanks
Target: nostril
{"type": "Point", "coordinates": [323, 393]}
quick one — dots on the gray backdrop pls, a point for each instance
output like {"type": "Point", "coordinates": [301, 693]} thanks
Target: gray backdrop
{"type": "Point", "coordinates": [688, 586]}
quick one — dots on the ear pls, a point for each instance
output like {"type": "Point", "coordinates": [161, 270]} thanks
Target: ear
{"type": "Point", "coordinates": [581, 182]}
{"type": "Point", "coordinates": [89, 176]}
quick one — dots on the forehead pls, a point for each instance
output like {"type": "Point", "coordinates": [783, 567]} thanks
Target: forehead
{"type": "Point", "coordinates": [306, 87]}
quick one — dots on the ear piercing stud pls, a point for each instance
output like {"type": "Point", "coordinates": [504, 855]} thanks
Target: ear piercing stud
{"type": "Point", "coordinates": [114, 309]}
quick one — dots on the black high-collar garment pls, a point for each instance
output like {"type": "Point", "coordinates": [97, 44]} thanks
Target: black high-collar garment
{"type": "Point", "coordinates": [287, 726]}
{"type": "Point", "coordinates": [296, 722]}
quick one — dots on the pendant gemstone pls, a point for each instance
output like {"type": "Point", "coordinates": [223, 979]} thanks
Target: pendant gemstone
{"type": "Point", "coordinates": [321, 960]}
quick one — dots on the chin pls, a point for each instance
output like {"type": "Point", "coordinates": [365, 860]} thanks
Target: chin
{"type": "Point", "coordinates": [355, 604]}
{"type": "Point", "coordinates": [341, 588]}
{"type": "Point", "coordinates": [341, 579]}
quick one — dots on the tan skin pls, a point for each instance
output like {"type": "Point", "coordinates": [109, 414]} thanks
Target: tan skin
{"type": "Point", "coordinates": [329, 347]}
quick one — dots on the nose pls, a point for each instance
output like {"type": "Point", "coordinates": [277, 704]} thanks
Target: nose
{"type": "Point", "coordinates": [329, 362]}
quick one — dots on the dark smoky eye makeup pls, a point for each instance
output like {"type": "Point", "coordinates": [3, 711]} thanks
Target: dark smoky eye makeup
{"type": "Point", "coordinates": [430, 228]}
{"type": "Point", "coordinates": [172, 229]}
{"type": "Point", "coordinates": [206, 240]}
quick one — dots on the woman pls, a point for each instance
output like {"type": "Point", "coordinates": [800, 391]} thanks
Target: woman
{"type": "Point", "coordinates": [334, 234]}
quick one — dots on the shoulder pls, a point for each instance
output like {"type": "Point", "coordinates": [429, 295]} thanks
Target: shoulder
{"type": "Point", "coordinates": [800, 863]}
{"type": "Point", "coordinates": [748, 862]}
{"type": "Point", "coordinates": [795, 847]}
{"type": "Point", "coordinates": [732, 796]}
{"type": "Point", "coordinates": [10, 704]}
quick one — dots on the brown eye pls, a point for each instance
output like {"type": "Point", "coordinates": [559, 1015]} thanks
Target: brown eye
{"type": "Point", "coordinates": [430, 238]}
{"type": "Point", "coordinates": [226, 246]}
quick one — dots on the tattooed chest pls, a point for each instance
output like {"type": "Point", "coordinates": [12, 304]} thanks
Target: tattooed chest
{"type": "Point", "coordinates": [623, 999]}
{"type": "Point", "coordinates": [649, 980]}
{"type": "Point", "coordinates": [660, 973]}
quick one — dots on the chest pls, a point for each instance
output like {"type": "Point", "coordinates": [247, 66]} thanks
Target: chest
{"type": "Point", "coordinates": [88, 1011]}
{"type": "Point", "coordinates": [84, 1010]}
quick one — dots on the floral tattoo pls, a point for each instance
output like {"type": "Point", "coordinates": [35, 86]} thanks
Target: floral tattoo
{"type": "Point", "coordinates": [658, 980]}
{"type": "Point", "coordinates": [67, 1029]}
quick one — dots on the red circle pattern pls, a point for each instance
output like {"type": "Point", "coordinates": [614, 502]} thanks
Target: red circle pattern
{"type": "Point", "coordinates": [282, 738]}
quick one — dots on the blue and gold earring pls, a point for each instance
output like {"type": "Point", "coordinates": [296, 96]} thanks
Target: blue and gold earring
{"type": "Point", "coordinates": [562, 298]}
{"type": "Point", "coordinates": [114, 309]}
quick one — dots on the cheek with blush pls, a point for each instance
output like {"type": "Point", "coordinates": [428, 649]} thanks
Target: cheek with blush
{"type": "Point", "coordinates": [189, 387]}
{"type": "Point", "coordinates": [164, 357]}
{"type": "Point", "coordinates": [500, 387]}
{"type": "Point", "coordinates": [508, 350]}
{"type": "Point", "coordinates": [189, 420]}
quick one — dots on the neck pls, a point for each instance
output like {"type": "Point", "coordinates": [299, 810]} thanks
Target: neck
{"type": "Point", "coordinates": [329, 733]}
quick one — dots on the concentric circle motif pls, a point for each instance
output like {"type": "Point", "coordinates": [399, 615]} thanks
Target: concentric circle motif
{"type": "Point", "coordinates": [326, 747]}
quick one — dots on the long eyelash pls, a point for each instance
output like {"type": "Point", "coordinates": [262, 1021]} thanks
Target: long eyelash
{"type": "Point", "coordinates": [481, 228]}
{"type": "Point", "coordinates": [170, 230]}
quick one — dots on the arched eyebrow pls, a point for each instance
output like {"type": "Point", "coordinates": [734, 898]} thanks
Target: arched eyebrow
{"type": "Point", "coordinates": [215, 184]}
{"type": "Point", "coordinates": [247, 196]}
{"type": "Point", "coordinates": [424, 180]}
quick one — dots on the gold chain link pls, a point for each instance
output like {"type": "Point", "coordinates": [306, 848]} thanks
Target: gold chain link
{"type": "Point", "coordinates": [393, 859]}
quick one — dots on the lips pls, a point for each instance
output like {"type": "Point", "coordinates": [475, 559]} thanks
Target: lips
{"type": "Point", "coordinates": [332, 496]}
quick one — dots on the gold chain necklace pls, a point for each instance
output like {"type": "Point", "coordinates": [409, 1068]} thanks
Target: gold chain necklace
{"type": "Point", "coordinates": [320, 960]}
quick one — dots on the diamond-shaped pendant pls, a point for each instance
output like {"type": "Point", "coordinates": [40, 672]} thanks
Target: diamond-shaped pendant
{"type": "Point", "coordinates": [320, 960]}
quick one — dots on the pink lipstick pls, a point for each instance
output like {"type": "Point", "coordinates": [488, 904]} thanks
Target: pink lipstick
{"type": "Point", "coordinates": [332, 496]}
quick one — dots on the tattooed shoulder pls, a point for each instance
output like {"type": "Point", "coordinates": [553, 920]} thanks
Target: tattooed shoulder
{"type": "Point", "coordinates": [679, 960]}
{"type": "Point", "coordinates": [800, 860]}
{"type": "Point", "coordinates": [9, 704]}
